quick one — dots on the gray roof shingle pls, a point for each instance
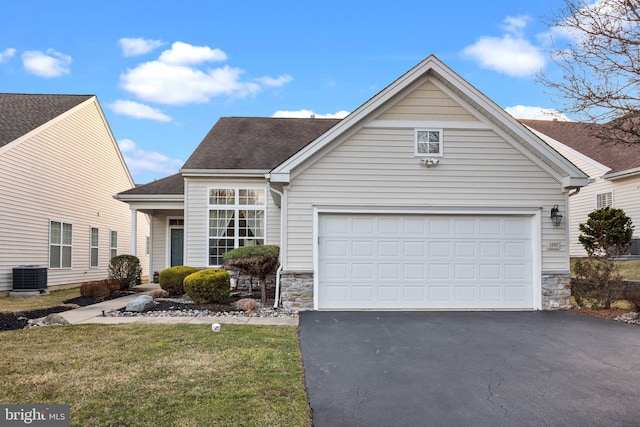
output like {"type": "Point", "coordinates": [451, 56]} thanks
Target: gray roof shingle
{"type": "Point", "coordinates": [255, 142]}
{"type": "Point", "coordinates": [583, 137]}
{"type": "Point", "coordinates": [172, 184]}
{"type": "Point", "coordinates": [22, 113]}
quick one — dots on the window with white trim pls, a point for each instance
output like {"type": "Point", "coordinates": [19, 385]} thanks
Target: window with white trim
{"type": "Point", "coordinates": [60, 244]}
{"type": "Point", "coordinates": [93, 247]}
{"type": "Point", "coordinates": [236, 219]}
{"type": "Point", "coordinates": [604, 200]}
{"type": "Point", "coordinates": [428, 142]}
{"type": "Point", "coordinates": [113, 244]}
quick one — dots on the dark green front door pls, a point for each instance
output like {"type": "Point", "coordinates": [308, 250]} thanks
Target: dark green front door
{"type": "Point", "coordinates": [177, 246]}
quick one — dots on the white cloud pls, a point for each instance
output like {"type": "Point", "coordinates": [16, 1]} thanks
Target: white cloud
{"type": "Point", "coordinates": [49, 64]}
{"type": "Point", "coordinates": [138, 111]}
{"type": "Point", "coordinates": [139, 160]}
{"type": "Point", "coordinates": [186, 54]}
{"type": "Point", "coordinates": [516, 24]}
{"type": "Point", "coordinates": [277, 82]}
{"type": "Point", "coordinates": [174, 79]}
{"type": "Point", "coordinates": [7, 54]}
{"type": "Point", "coordinates": [138, 46]}
{"type": "Point", "coordinates": [514, 57]}
{"type": "Point", "coordinates": [308, 113]}
{"type": "Point", "coordinates": [536, 113]}
{"type": "Point", "coordinates": [510, 54]}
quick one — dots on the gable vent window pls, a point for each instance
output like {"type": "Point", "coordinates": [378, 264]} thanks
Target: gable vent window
{"type": "Point", "coordinates": [604, 200]}
{"type": "Point", "coordinates": [428, 142]}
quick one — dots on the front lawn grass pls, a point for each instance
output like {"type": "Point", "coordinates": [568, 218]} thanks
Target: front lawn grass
{"type": "Point", "coordinates": [54, 299]}
{"type": "Point", "coordinates": [158, 375]}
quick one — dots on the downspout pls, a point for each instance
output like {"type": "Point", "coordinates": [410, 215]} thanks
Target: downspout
{"type": "Point", "coordinates": [279, 271]}
{"type": "Point", "coordinates": [577, 190]}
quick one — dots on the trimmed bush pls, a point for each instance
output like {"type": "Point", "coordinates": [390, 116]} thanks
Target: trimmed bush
{"type": "Point", "coordinates": [126, 269]}
{"type": "Point", "coordinates": [259, 261]}
{"type": "Point", "coordinates": [96, 289]}
{"type": "Point", "coordinates": [171, 279]}
{"type": "Point", "coordinates": [208, 286]}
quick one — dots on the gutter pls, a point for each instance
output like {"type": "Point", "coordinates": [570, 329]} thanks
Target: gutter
{"type": "Point", "coordinates": [280, 267]}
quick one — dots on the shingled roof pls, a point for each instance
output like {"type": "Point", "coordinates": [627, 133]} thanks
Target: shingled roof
{"type": "Point", "coordinates": [583, 137]}
{"type": "Point", "coordinates": [22, 113]}
{"type": "Point", "coordinates": [255, 142]}
{"type": "Point", "coordinates": [172, 184]}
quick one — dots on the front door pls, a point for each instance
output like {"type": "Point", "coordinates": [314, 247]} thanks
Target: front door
{"type": "Point", "coordinates": [177, 246]}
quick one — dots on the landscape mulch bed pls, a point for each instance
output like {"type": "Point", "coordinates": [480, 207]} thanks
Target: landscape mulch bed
{"type": "Point", "coordinates": [18, 320]}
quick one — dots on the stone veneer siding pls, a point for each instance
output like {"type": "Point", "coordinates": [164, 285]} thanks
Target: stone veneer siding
{"type": "Point", "coordinates": [556, 291]}
{"type": "Point", "coordinates": [296, 290]}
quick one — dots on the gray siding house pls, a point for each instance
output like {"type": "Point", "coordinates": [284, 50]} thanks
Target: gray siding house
{"type": "Point", "coordinates": [427, 196]}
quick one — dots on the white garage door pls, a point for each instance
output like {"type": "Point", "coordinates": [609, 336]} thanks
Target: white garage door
{"type": "Point", "coordinates": [424, 261]}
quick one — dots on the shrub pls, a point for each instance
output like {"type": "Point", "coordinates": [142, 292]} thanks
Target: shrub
{"type": "Point", "coordinates": [606, 235]}
{"type": "Point", "coordinates": [259, 261]}
{"type": "Point", "coordinates": [96, 289]}
{"type": "Point", "coordinates": [208, 286]}
{"type": "Point", "coordinates": [632, 294]}
{"type": "Point", "coordinates": [171, 279]}
{"type": "Point", "coordinates": [126, 269]}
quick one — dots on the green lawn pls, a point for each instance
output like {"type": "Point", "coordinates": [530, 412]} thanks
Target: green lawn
{"type": "Point", "coordinates": [54, 299]}
{"type": "Point", "coordinates": [158, 375]}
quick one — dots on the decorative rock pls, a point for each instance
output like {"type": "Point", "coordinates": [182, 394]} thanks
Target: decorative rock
{"type": "Point", "coordinates": [249, 305]}
{"type": "Point", "coordinates": [158, 293]}
{"type": "Point", "coordinates": [140, 304]}
{"type": "Point", "coordinates": [55, 319]}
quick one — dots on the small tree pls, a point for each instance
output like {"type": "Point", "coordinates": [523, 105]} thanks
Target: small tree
{"type": "Point", "coordinates": [606, 235]}
{"type": "Point", "coordinates": [259, 261]}
{"type": "Point", "coordinates": [126, 269]}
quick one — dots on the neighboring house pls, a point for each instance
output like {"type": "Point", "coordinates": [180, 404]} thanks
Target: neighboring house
{"type": "Point", "coordinates": [614, 169]}
{"type": "Point", "coordinates": [428, 196]}
{"type": "Point", "coordinates": [59, 168]}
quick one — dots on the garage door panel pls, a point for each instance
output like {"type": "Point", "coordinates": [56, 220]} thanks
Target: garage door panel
{"type": "Point", "coordinates": [422, 261]}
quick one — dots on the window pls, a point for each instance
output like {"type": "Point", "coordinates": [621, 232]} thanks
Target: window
{"type": "Point", "coordinates": [60, 244]}
{"type": "Point", "coordinates": [93, 247]}
{"type": "Point", "coordinates": [604, 199]}
{"type": "Point", "coordinates": [236, 219]}
{"type": "Point", "coordinates": [113, 244]}
{"type": "Point", "coordinates": [428, 142]}
{"type": "Point", "coordinates": [147, 245]}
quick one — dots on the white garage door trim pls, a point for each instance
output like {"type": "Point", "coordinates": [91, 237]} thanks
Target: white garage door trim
{"type": "Point", "coordinates": [533, 213]}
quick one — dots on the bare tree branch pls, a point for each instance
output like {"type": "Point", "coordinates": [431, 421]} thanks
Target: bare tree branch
{"type": "Point", "coordinates": [597, 50]}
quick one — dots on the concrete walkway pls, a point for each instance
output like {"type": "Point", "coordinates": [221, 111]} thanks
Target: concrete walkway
{"type": "Point", "coordinates": [93, 314]}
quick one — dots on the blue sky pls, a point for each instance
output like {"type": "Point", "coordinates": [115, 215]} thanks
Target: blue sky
{"type": "Point", "coordinates": [164, 72]}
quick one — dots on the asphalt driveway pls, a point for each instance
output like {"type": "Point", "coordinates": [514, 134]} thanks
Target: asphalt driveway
{"type": "Point", "coordinates": [470, 369]}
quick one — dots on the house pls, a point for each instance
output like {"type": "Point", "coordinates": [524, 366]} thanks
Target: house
{"type": "Point", "coordinates": [427, 196]}
{"type": "Point", "coordinates": [59, 168]}
{"type": "Point", "coordinates": [613, 168]}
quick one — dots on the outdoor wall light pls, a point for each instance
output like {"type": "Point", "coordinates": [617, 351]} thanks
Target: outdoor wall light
{"type": "Point", "coordinates": [428, 162]}
{"type": "Point", "coordinates": [556, 216]}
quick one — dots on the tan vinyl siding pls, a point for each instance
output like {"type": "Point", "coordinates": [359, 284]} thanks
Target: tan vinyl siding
{"type": "Point", "coordinates": [427, 101]}
{"type": "Point", "coordinates": [197, 222]}
{"type": "Point", "coordinates": [67, 172]}
{"type": "Point", "coordinates": [377, 167]}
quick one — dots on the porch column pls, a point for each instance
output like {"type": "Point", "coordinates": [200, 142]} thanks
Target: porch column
{"type": "Point", "coordinates": [134, 230]}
